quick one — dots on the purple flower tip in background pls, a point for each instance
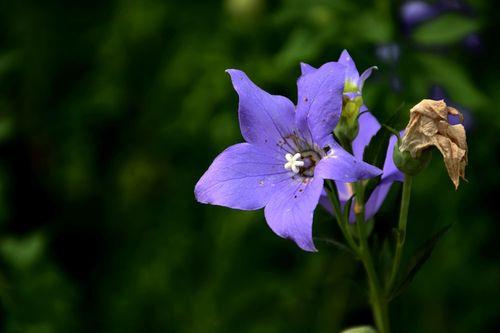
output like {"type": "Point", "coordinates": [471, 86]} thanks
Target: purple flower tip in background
{"type": "Point", "coordinates": [437, 93]}
{"type": "Point", "coordinates": [473, 43]}
{"type": "Point", "coordinates": [388, 53]}
{"type": "Point", "coordinates": [415, 12]}
{"type": "Point", "coordinates": [289, 151]}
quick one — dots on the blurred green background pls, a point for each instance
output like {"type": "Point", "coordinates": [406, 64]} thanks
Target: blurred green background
{"type": "Point", "coordinates": [110, 111]}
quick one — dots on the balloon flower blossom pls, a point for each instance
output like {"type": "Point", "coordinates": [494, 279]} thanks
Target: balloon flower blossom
{"type": "Point", "coordinates": [288, 153]}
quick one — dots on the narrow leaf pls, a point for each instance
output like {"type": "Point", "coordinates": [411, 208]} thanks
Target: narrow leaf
{"type": "Point", "coordinates": [360, 329]}
{"type": "Point", "coordinates": [420, 257]}
{"type": "Point", "coordinates": [347, 209]}
{"type": "Point", "coordinates": [334, 243]}
{"type": "Point", "coordinates": [447, 29]}
{"type": "Point", "coordinates": [375, 151]}
{"type": "Point", "coordinates": [452, 77]}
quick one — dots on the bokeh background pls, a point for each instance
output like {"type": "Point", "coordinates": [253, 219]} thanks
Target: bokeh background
{"type": "Point", "coordinates": [110, 111]}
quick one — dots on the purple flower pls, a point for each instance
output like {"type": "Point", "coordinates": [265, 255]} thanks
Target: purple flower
{"type": "Point", "coordinates": [288, 153]}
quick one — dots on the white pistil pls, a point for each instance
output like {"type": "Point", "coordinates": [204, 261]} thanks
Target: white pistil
{"type": "Point", "coordinates": [293, 162]}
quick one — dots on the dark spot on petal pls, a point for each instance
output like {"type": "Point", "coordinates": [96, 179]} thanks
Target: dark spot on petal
{"type": "Point", "coordinates": [326, 149]}
{"type": "Point", "coordinates": [301, 190]}
{"type": "Point", "coordinates": [306, 99]}
{"type": "Point", "coordinates": [295, 196]}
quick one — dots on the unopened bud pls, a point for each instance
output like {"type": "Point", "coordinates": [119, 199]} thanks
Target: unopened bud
{"type": "Point", "coordinates": [408, 164]}
{"type": "Point", "coordinates": [347, 127]}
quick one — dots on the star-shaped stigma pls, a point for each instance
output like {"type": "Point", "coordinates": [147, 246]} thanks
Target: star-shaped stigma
{"type": "Point", "coordinates": [293, 162]}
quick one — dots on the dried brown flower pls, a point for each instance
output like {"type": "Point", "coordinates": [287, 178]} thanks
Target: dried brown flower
{"type": "Point", "coordinates": [429, 126]}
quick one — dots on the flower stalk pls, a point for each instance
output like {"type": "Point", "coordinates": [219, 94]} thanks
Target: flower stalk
{"type": "Point", "coordinates": [362, 250]}
{"type": "Point", "coordinates": [401, 232]}
{"type": "Point", "coordinates": [377, 300]}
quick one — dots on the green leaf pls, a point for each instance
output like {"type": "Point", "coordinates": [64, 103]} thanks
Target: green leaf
{"type": "Point", "coordinates": [22, 252]}
{"type": "Point", "coordinates": [420, 257]}
{"type": "Point", "coordinates": [375, 152]}
{"type": "Point", "coordinates": [347, 209]}
{"type": "Point", "coordinates": [454, 80]}
{"type": "Point", "coordinates": [335, 243]}
{"type": "Point", "coordinates": [446, 29]}
{"type": "Point", "coordinates": [397, 120]}
{"type": "Point", "coordinates": [360, 329]}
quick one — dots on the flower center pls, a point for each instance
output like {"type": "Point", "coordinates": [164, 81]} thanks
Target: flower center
{"type": "Point", "coordinates": [294, 162]}
{"type": "Point", "coordinates": [302, 163]}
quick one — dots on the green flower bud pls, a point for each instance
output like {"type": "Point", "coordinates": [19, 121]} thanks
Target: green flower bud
{"type": "Point", "coordinates": [409, 165]}
{"type": "Point", "coordinates": [347, 128]}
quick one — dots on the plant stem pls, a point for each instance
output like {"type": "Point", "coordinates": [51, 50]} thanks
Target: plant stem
{"type": "Point", "coordinates": [377, 300]}
{"type": "Point", "coordinates": [401, 235]}
{"type": "Point", "coordinates": [339, 216]}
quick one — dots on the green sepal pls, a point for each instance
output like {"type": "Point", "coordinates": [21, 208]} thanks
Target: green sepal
{"type": "Point", "coordinates": [409, 165]}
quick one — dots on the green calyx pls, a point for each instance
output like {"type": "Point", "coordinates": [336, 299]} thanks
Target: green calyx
{"type": "Point", "coordinates": [408, 164]}
{"type": "Point", "coordinates": [347, 128]}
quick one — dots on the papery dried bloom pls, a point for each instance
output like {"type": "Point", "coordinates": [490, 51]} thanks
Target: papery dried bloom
{"type": "Point", "coordinates": [429, 126]}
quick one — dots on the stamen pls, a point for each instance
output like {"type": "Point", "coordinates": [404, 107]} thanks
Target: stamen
{"type": "Point", "coordinates": [293, 162]}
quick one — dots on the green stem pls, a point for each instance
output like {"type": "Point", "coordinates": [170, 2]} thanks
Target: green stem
{"type": "Point", "coordinates": [338, 213]}
{"type": "Point", "coordinates": [401, 234]}
{"type": "Point", "coordinates": [377, 300]}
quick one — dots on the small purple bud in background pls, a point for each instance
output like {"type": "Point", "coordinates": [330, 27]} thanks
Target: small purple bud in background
{"type": "Point", "coordinates": [473, 43]}
{"type": "Point", "coordinates": [388, 53]}
{"type": "Point", "coordinates": [415, 12]}
{"type": "Point", "coordinates": [438, 93]}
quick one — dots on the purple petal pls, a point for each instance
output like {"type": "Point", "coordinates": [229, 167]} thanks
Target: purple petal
{"type": "Point", "coordinates": [306, 69]}
{"type": "Point", "coordinates": [376, 199]}
{"type": "Point", "coordinates": [351, 73]}
{"type": "Point", "coordinates": [264, 118]}
{"type": "Point", "coordinates": [341, 166]}
{"type": "Point", "coordinates": [243, 176]}
{"type": "Point", "coordinates": [391, 172]}
{"type": "Point", "coordinates": [368, 127]}
{"type": "Point", "coordinates": [390, 175]}
{"type": "Point", "coordinates": [320, 101]}
{"type": "Point", "coordinates": [365, 75]}
{"type": "Point", "coordinates": [290, 211]}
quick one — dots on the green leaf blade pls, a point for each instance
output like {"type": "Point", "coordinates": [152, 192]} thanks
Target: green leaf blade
{"type": "Point", "coordinates": [446, 29]}
{"type": "Point", "coordinates": [417, 261]}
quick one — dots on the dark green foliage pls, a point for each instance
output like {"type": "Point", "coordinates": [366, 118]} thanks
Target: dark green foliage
{"type": "Point", "coordinates": [110, 111]}
{"type": "Point", "coordinates": [422, 254]}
